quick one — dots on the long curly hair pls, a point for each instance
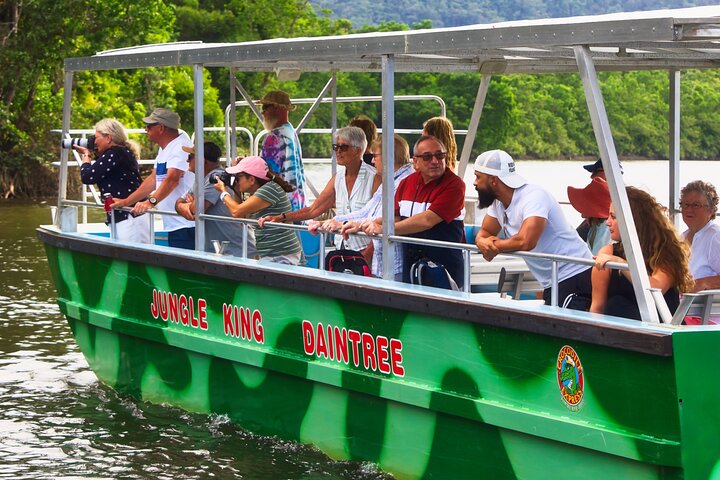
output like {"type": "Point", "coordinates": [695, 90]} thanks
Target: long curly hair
{"type": "Point", "coordinates": [442, 129]}
{"type": "Point", "coordinates": [660, 243]}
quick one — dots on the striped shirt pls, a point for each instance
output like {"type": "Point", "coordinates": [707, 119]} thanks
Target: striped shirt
{"type": "Point", "coordinates": [274, 241]}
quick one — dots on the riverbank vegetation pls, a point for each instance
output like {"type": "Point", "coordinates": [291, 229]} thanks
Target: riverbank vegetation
{"type": "Point", "coordinates": [530, 116]}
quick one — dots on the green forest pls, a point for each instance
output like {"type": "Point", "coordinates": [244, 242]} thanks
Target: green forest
{"type": "Point", "coordinates": [529, 116]}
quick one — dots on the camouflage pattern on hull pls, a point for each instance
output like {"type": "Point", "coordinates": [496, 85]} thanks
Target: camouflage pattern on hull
{"type": "Point", "coordinates": [421, 395]}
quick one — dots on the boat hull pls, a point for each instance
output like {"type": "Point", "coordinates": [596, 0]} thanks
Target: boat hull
{"type": "Point", "coordinates": [426, 385]}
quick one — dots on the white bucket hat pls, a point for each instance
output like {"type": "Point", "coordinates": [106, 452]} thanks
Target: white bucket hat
{"type": "Point", "coordinates": [499, 164]}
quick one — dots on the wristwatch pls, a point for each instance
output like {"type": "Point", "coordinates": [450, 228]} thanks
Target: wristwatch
{"type": "Point", "coordinates": [153, 201]}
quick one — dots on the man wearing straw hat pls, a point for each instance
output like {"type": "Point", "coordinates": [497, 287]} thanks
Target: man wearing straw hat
{"type": "Point", "coordinates": [281, 147]}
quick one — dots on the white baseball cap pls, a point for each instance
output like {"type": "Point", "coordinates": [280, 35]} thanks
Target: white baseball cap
{"type": "Point", "coordinates": [499, 164]}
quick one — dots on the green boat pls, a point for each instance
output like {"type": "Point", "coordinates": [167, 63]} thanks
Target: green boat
{"type": "Point", "coordinates": [427, 383]}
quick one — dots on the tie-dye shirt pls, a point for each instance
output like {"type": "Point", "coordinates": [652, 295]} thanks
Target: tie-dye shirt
{"type": "Point", "coordinates": [281, 150]}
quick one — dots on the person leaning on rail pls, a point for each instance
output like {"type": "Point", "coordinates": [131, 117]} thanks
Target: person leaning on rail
{"type": "Point", "coordinates": [116, 172]}
{"type": "Point", "coordinates": [268, 196]}
{"type": "Point", "coordinates": [699, 204]}
{"type": "Point", "coordinates": [429, 205]}
{"type": "Point", "coordinates": [281, 147]}
{"type": "Point", "coordinates": [525, 218]}
{"type": "Point", "coordinates": [352, 222]}
{"type": "Point", "coordinates": [348, 191]}
{"type": "Point", "coordinates": [169, 178]}
{"type": "Point", "coordinates": [230, 232]}
{"type": "Point", "coordinates": [665, 253]}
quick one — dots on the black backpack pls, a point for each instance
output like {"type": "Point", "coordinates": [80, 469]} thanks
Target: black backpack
{"type": "Point", "coordinates": [347, 261]}
{"type": "Point", "coordinates": [431, 274]}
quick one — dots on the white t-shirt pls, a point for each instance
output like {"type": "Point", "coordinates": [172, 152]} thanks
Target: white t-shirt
{"type": "Point", "coordinates": [705, 251]}
{"type": "Point", "coordinates": [558, 238]}
{"type": "Point", "coordinates": [173, 156]}
{"type": "Point", "coordinates": [347, 202]}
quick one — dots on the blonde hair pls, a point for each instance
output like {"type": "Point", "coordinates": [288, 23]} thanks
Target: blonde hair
{"type": "Point", "coordinates": [402, 149]}
{"type": "Point", "coordinates": [442, 129]}
{"type": "Point", "coordinates": [660, 243]}
{"type": "Point", "coordinates": [118, 135]}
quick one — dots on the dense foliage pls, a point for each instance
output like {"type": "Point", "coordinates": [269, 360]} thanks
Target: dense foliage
{"type": "Point", "coordinates": [533, 116]}
{"type": "Point", "coordinates": [450, 13]}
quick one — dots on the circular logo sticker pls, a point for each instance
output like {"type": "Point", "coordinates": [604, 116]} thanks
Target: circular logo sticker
{"type": "Point", "coordinates": [570, 378]}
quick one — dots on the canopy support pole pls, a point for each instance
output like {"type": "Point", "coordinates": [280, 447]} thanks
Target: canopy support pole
{"type": "Point", "coordinates": [199, 159]}
{"type": "Point", "coordinates": [474, 122]}
{"type": "Point", "coordinates": [64, 152]}
{"type": "Point", "coordinates": [618, 194]}
{"type": "Point", "coordinates": [388, 153]}
{"type": "Point", "coordinates": [674, 173]}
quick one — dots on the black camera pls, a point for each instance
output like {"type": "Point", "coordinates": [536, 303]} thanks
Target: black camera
{"type": "Point", "coordinates": [220, 177]}
{"type": "Point", "coordinates": [87, 142]}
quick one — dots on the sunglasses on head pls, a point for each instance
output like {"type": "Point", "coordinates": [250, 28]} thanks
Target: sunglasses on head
{"type": "Point", "coordinates": [267, 106]}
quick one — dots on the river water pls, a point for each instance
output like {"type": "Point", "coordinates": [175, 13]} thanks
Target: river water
{"type": "Point", "coordinates": [57, 421]}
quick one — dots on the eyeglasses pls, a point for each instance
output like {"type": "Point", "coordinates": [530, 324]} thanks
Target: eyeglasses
{"type": "Point", "coordinates": [191, 156]}
{"type": "Point", "coordinates": [341, 147]}
{"type": "Point", "coordinates": [428, 156]}
{"type": "Point", "coordinates": [150, 125]}
{"type": "Point", "coordinates": [691, 206]}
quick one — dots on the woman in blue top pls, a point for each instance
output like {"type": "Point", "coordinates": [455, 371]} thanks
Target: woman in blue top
{"type": "Point", "coordinates": [116, 172]}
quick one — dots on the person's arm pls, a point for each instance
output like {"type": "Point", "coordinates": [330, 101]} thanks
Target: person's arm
{"type": "Point", "coordinates": [92, 173]}
{"type": "Point", "coordinates": [145, 188]}
{"type": "Point", "coordinates": [172, 179]}
{"type": "Point", "coordinates": [246, 208]}
{"type": "Point", "coordinates": [417, 223]}
{"type": "Point", "coordinates": [527, 237]}
{"type": "Point", "coordinates": [486, 237]}
{"type": "Point", "coordinates": [183, 206]}
{"type": "Point", "coordinates": [706, 283]}
{"type": "Point", "coordinates": [322, 203]}
{"type": "Point", "coordinates": [601, 279]}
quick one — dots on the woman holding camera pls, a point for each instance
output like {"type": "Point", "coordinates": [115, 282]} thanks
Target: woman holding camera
{"type": "Point", "coordinates": [268, 196]}
{"type": "Point", "coordinates": [116, 172]}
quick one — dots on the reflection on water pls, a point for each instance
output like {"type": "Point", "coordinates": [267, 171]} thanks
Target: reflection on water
{"type": "Point", "coordinates": [57, 421]}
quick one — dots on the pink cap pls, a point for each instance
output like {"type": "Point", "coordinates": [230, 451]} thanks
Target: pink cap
{"type": "Point", "coordinates": [252, 165]}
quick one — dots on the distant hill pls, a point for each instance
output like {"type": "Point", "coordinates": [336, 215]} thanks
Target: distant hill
{"type": "Point", "coordinates": [449, 13]}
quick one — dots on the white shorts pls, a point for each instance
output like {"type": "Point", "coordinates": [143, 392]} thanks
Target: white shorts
{"type": "Point", "coordinates": [134, 229]}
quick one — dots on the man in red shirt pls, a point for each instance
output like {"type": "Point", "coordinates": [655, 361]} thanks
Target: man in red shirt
{"type": "Point", "coordinates": [429, 204]}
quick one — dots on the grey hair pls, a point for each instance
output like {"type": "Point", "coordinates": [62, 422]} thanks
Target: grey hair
{"type": "Point", "coordinates": [426, 138]}
{"type": "Point", "coordinates": [353, 135]}
{"type": "Point", "coordinates": [706, 189]}
{"type": "Point", "coordinates": [118, 135]}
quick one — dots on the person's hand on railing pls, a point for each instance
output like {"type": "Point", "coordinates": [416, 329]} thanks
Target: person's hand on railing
{"type": "Point", "coordinates": [601, 259]}
{"type": "Point", "coordinates": [350, 227]}
{"type": "Point", "coordinates": [487, 247]}
{"type": "Point", "coordinates": [270, 218]}
{"type": "Point", "coordinates": [185, 208]}
{"type": "Point", "coordinates": [330, 226]}
{"type": "Point", "coordinates": [370, 227]}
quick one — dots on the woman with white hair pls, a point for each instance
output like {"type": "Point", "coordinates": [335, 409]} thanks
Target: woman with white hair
{"type": "Point", "coordinates": [116, 172]}
{"type": "Point", "coordinates": [699, 204]}
{"type": "Point", "coordinates": [348, 191]}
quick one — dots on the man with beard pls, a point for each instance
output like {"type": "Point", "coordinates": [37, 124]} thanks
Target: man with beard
{"type": "Point", "coordinates": [524, 217]}
{"type": "Point", "coordinates": [281, 147]}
